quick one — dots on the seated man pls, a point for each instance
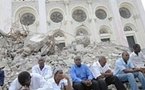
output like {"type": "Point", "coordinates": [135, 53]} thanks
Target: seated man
{"type": "Point", "coordinates": [42, 69]}
{"type": "Point", "coordinates": [101, 70]}
{"type": "Point", "coordinates": [59, 81]}
{"type": "Point", "coordinates": [125, 71]}
{"type": "Point", "coordinates": [82, 77]}
{"type": "Point", "coordinates": [137, 57]}
{"type": "Point", "coordinates": [2, 76]}
{"type": "Point", "coordinates": [25, 81]}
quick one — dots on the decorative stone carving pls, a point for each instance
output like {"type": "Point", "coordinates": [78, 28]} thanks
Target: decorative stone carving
{"type": "Point", "coordinates": [27, 19]}
{"type": "Point", "coordinates": [124, 12]}
{"type": "Point", "coordinates": [56, 17]}
{"type": "Point", "coordinates": [101, 14]}
{"type": "Point", "coordinates": [79, 15]}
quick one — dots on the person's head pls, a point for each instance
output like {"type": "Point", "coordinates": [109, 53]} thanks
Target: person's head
{"type": "Point", "coordinates": [58, 74]}
{"type": "Point", "coordinates": [77, 61]}
{"type": "Point", "coordinates": [41, 62]}
{"type": "Point", "coordinates": [125, 56]}
{"type": "Point", "coordinates": [136, 48]}
{"type": "Point", "coordinates": [102, 61]}
{"type": "Point", "coordinates": [24, 78]}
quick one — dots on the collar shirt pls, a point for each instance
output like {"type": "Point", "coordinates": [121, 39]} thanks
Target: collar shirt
{"type": "Point", "coordinates": [80, 73]}
{"type": "Point", "coordinates": [37, 81]}
{"type": "Point", "coordinates": [51, 84]}
{"type": "Point", "coordinates": [46, 72]}
{"type": "Point", "coordinates": [138, 60]}
{"type": "Point", "coordinates": [97, 69]}
{"type": "Point", "coordinates": [120, 65]}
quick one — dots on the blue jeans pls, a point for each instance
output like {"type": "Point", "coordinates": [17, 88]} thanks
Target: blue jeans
{"type": "Point", "coordinates": [130, 77]}
{"type": "Point", "coordinates": [1, 77]}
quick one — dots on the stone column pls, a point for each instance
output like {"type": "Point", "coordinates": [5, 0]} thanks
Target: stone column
{"type": "Point", "coordinates": [42, 17]}
{"type": "Point", "coordinates": [5, 15]}
{"type": "Point", "coordinates": [141, 10]}
{"type": "Point", "coordinates": [70, 36]}
{"type": "Point", "coordinates": [117, 26]}
{"type": "Point", "coordinates": [94, 36]}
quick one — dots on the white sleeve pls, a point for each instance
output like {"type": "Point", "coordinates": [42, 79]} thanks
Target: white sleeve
{"type": "Point", "coordinates": [47, 86]}
{"type": "Point", "coordinates": [34, 69]}
{"type": "Point", "coordinates": [95, 71]}
{"type": "Point", "coordinates": [15, 85]}
{"type": "Point", "coordinates": [48, 73]}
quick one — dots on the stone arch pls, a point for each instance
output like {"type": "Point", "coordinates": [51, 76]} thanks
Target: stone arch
{"type": "Point", "coordinates": [129, 27]}
{"type": "Point", "coordinates": [81, 31]}
{"type": "Point", "coordinates": [59, 37]}
{"type": "Point", "coordinates": [24, 10]}
{"type": "Point", "coordinates": [104, 30]}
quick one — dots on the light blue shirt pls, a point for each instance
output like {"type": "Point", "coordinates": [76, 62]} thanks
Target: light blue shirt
{"type": "Point", "coordinates": [80, 73]}
{"type": "Point", "coordinates": [120, 65]}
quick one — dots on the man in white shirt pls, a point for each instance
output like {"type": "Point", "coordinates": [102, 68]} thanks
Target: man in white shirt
{"type": "Point", "coordinates": [27, 81]}
{"type": "Point", "coordinates": [101, 70]}
{"type": "Point", "coordinates": [58, 82]}
{"type": "Point", "coordinates": [42, 69]}
{"type": "Point", "coordinates": [137, 57]}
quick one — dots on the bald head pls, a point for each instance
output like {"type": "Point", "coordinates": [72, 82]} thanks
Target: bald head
{"type": "Point", "coordinates": [125, 55]}
{"type": "Point", "coordinates": [102, 61]}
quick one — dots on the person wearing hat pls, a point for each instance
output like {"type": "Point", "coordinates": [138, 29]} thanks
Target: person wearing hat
{"type": "Point", "coordinates": [82, 77]}
{"type": "Point", "coordinates": [59, 81]}
{"type": "Point", "coordinates": [42, 69]}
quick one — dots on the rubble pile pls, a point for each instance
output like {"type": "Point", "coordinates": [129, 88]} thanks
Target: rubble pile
{"type": "Point", "coordinates": [19, 56]}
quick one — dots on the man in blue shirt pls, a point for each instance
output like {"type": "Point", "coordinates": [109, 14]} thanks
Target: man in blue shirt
{"type": "Point", "coordinates": [125, 71]}
{"type": "Point", "coordinates": [82, 77]}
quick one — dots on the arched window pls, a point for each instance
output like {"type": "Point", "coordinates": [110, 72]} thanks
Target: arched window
{"type": "Point", "coordinates": [103, 31]}
{"type": "Point", "coordinates": [127, 28]}
{"type": "Point", "coordinates": [81, 32]}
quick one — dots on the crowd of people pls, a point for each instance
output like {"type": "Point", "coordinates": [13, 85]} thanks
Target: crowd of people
{"type": "Point", "coordinates": [96, 77]}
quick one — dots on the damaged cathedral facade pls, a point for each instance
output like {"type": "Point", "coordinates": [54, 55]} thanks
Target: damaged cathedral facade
{"type": "Point", "coordinates": [117, 21]}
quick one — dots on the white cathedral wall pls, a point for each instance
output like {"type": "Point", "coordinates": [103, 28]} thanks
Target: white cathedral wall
{"type": "Point", "coordinates": [92, 24]}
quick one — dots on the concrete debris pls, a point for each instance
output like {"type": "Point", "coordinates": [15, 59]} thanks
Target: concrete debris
{"type": "Point", "coordinates": [21, 53]}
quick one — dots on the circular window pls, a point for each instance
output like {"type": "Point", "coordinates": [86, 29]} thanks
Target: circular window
{"type": "Point", "coordinates": [56, 17]}
{"type": "Point", "coordinates": [79, 15]}
{"type": "Point", "coordinates": [124, 12]}
{"type": "Point", "coordinates": [101, 14]}
{"type": "Point", "coordinates": [127, 28]}
{"type": "Point", "coordinates": [27, 19]}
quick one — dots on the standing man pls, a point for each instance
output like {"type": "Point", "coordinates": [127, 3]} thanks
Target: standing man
{"type": "Point", "coordinates": [137, 57]}
{"type": "Point", "coordinates": [125, 71]}
{"type": "Point", "coordinates": [42, 69]}
{"type": "Point", "coordinates": [27, 81]}
{"type": "Point", "coordinates": [102, 71]}
{"type": "Point", "coordinates": [82, 77]}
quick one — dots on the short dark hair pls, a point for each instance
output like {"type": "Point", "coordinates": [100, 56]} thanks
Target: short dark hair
{"type": "Point", "coordinates": [23, 77]}
{"type": "Point", "coordinates": [136, 46]}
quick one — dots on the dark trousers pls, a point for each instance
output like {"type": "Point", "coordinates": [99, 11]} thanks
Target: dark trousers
{"type": "Point", "coordinates": [114, 80]}
{"type": "Point", "coordinates": [102, 84]}
{"type": "Point", "coordinates": [1, 77]}
{"type": "Point", "coordinates": [95, 86]}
